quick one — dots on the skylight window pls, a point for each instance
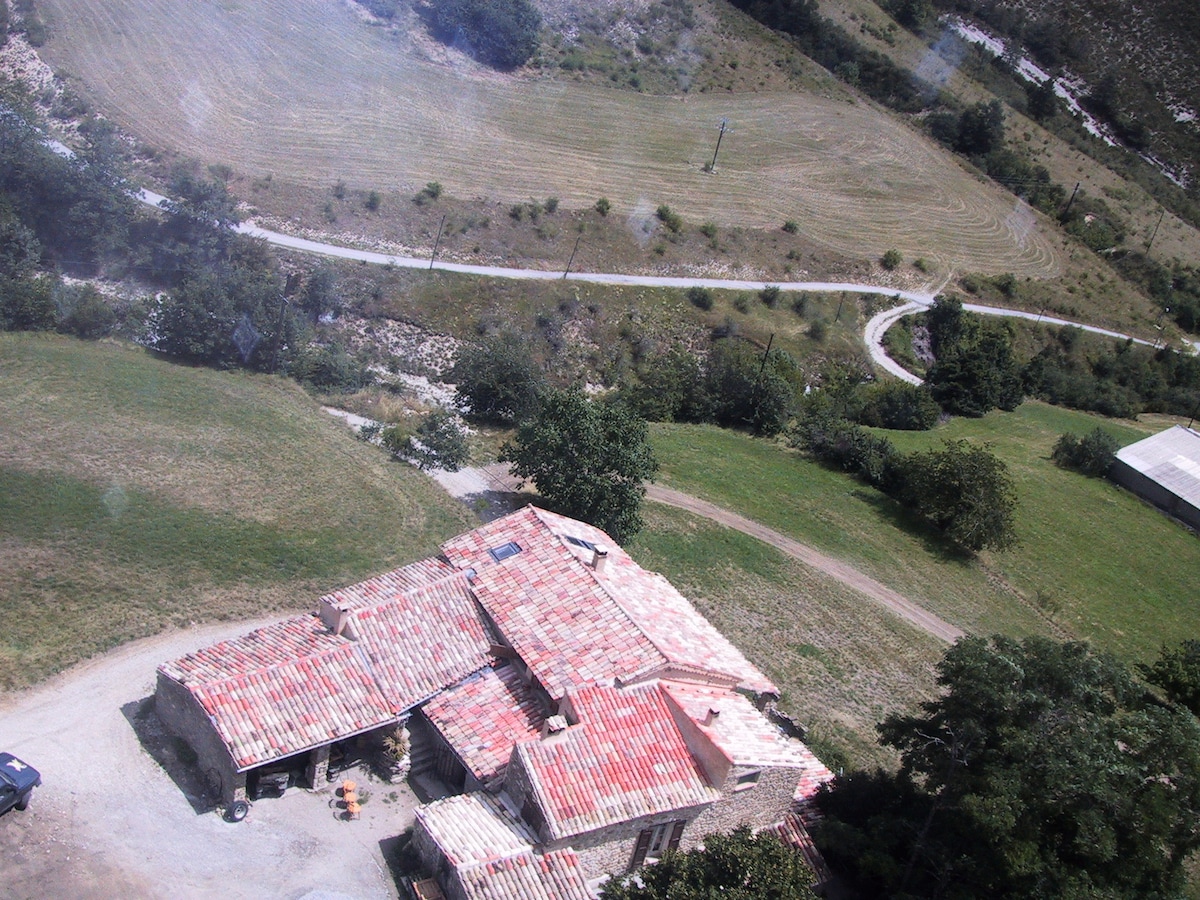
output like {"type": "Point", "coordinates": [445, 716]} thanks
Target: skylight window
{"type": "Point", "coordinates": [504, 551]}
{"type": "Point", "coordinates": [580, 542]}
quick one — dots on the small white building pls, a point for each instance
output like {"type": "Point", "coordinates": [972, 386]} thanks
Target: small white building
{"type": "Point", "coordinates": [1165, 470]}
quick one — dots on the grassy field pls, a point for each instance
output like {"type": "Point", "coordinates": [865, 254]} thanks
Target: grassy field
{"type": "Point", "coordinates": [137, 495]}
{"type": "Point", "coordinates": [1094, 563]}
{"type": "Point", "coordinates": [303, 90]}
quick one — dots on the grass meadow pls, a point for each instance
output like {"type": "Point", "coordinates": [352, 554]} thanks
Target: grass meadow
{"type": "Point", "coordinates": [305, 91]}
{"type": "Point", "coordinates": [1094, 562]}
{"type": "Point", "coordinates": [136, 495]}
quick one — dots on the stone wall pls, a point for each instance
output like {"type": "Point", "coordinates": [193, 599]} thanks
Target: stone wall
{"type": "Point", "coordinates": [185, 718]}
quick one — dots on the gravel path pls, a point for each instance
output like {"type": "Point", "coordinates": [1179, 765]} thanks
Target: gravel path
{"type": "Point", "coordinates": [110, 821]}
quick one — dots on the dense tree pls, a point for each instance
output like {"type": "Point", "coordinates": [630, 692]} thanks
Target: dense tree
{"type": "Point", "coordinates": [501, 33]}
{"type": "Point", "coordinates": [736, 866]}
{"type": "Point", "coordinates": [588, 459]}
{"type": "Point", "coordinates": [897, 405]}
{"type": "Point", "coordinates": [1043, 770]}
{"type": "Point", "coordinates": [966, 492]}
{"type": "Point", "coordinates": [975, 369]}
{"type": "Point", "coordinates": [750, 389]}
{"type": "Point", "coordinates": [497, 380]}
{"type": "Point", "coordinates": [1177, 672]}
{"type": "Point", "coordinates": [980, 129]}
{"type": "Point", "coordinates": [670, 387]}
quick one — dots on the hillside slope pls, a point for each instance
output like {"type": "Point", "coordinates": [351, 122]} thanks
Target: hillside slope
{"type": "Point", "coordinates": [137, 495]}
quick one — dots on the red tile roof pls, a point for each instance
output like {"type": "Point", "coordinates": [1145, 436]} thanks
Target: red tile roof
{"type": "Point", "coordinates": [423, 641]}
{"type": "Point", "coordinates": [574, 626]}
{"type": "Point", "coordinates": [623, 760]}
{"type": "Point", "coordinates": [391, 585]}
{"type": "Point", "coordinates": [531, 876]}
{"type": "Point", "coordinates": [739, 731]}
{"type": "Point", "coordinates": [484, 716]}
{"type": "Point", "coordinates": [793, 833]}
{"type": "Point", "coordinates": [292, 686]}
{"type": "Point", "coordinates": [491, 852]}
{"type": "Point", "coordinates": [283, 689]}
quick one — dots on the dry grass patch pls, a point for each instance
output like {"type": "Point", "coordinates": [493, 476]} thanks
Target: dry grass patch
{"type": "Point", "coordinates": [305, 91]}
{"type": "Point", "coordinates": [137, 495]}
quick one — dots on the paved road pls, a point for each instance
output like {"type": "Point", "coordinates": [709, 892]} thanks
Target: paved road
{"type": "Point", "coordinates": [876, 328]}
{"type": "Point", "coordinates": [915, 301]}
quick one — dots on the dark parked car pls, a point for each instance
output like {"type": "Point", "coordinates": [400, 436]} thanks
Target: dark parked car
{"type": "Point", "coordinates": [17, 781]}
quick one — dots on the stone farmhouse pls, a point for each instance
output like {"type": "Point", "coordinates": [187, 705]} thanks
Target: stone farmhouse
{"type": "Point", "coordinates": [584, 715]}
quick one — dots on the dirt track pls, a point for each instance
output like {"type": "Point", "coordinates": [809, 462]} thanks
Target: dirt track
{"type": "Point", "coordinates": [807, 555]}
{"type": "Point", "coordinates": [110, 821]}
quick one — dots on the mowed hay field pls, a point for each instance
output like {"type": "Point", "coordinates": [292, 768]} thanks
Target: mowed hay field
{"type": "Point", "coordinates": [137, 495]}
{"type": "Point", "coordinates": [303, 90]}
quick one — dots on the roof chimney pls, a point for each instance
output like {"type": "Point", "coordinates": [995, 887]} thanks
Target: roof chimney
{"type": "Point", "coordinates": [554, 725]}
{"type": "Point", "coordinates": [599, 559]}
{"type": "Point", "coordinates": [712, 716]}
{"type": "Point", "coordinates": [337, 619]}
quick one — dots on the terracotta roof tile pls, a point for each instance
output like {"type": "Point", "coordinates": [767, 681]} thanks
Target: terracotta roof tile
{"type": "Point", "coordinates": [741, 732]}
{"type": "Point", "coordinates": [530, 876]}
{"type": "Point", "coordinates": [575, 627]}
{"type": "Point", "coordinates": [484, 716]}
{"type": "Point", "coordinates": [793, 833]}
{"type": "Point", "coordinates": [474, 828]}
{"type": "Point", "coordinates": [282, 689]}
{"type": "Point", "coordinates": [423, 640]}
{"type": "Point", "coordinates": [624, 759]}
{"type": "Point", "coordinates": [391, 585]}
{"type": "Point", "coordinates": [294, 685]}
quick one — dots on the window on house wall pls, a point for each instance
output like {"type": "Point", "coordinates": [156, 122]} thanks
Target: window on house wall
{"type": "Point", "coordinates": [656, 840]}
{"type": "Point", "coordinates": [504, 551]}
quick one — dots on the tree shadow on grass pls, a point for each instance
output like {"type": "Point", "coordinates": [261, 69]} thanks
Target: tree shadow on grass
{"type": "Point", "coordinates": [900, 517]}
{"type": "Point", "coordinates": [173, 754]}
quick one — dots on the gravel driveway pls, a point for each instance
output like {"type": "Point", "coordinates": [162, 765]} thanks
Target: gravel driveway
{"type": "Point", "coordinates": [109, 821]}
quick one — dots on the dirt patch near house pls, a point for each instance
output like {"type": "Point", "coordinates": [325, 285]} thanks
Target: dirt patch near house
{"type": "Point", "coordinates": [110, 821]}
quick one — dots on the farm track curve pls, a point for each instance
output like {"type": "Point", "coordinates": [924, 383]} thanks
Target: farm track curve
{"type": "Point", "coordinates": [304, 90]}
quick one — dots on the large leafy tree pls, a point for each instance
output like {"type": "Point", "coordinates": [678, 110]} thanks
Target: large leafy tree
{"type": "Point", "coordinates": [589, 459]}
{"type": "Point", "coordinates": [966, 491]}
{"type": "Point", "coordinates": [497, 381]}
{"type": "Point", "coordinates": [735, 866]}
{"type": "Point", "coordinates": [1177, 672]}
{"type": "Point", "coordinates": [1044, 770]}
{"type": "Point", "coordinates": [975, 369]}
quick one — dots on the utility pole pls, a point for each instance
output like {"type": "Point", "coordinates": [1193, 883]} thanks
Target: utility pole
{"type": "Point", "coordinates": [1063, 214]}
{"type": "Point", "coordinates": [1154, 233]}
{"type": "Point", "coordinates": [437, 241]}
{"type": "Point", "coordinates": [572, 259]}
{"type": "Point", "coordinates": [712, 166]}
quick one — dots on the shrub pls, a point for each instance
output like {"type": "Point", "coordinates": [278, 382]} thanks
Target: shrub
{"type": "Point", "coordinates": [709, 230]}
{"type": "Point", "coordinates": [428, 194]}
{"type": "Point", "coordinates": [891, 259]}
{"type": "Point", "coordinates": [670, 219]}
{"type": "Point", "coordinates": [373, 200]}
{"type": "Point", "coordinates": [1093, 454]}
{"type": "Point", "coordinates": [551, 205]}
{"type": "Point", "coordinates": [770, 295]}
{"type": "Point", "coordinates": [818, 330]}
{"type": "Point", "coordinates": [438, 443]}
{"type": "Point", "coordinates": [85, 314]}
{"type": "Point", "coordinates": [791, 226]}
{"type": "Point", "coordinates": [898, 405]}
{"type": "Point", "coordinates": [700, 297]}
{"type": "Point", "coordinates": [602, 206]}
